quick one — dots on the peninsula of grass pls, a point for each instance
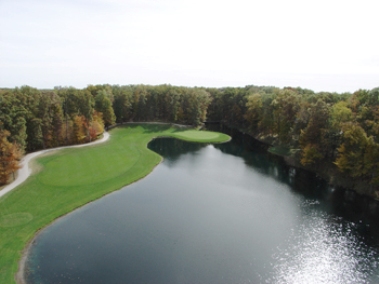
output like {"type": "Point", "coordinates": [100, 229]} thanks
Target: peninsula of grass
{"type": "Point", "coordinates": [70, 178]}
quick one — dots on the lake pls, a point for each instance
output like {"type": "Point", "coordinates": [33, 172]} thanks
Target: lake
{"type": "Point", "coordinates": [228, 213]}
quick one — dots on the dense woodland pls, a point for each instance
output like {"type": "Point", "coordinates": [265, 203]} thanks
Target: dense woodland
{"type": "Point", "coordinates": [330, 132]}
{"type": "Point", "coordinates": [32, 119]}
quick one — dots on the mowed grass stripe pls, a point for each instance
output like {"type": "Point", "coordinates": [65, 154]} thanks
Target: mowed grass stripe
{"type": "Point", "coordinates": [70, 178]}
{"type": "Point", "coordinates": [67, 166]}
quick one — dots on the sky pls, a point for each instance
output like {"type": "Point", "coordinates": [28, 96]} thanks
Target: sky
{"type": "Point", "coordinates": [322, 45]}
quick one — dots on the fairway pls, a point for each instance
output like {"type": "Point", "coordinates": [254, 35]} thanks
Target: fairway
{"type": "Point", "coordinates": [70, 178]}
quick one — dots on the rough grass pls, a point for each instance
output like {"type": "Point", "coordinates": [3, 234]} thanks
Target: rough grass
{"type": "Point", "coordinates": [73, 177]}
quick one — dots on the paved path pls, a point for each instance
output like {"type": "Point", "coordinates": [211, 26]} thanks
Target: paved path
{"type": "Point", "coordinates": [24, 172]}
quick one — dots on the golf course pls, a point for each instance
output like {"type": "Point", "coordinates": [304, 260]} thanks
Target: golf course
{"type": "Point", "coordinates": [67, 179]}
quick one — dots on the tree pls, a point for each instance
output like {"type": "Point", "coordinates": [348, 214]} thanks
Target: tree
{"type": "Point", "coordinates": [254, 111]}
{"type": "Point", "coordinates": [289, 102]}
{"type": "Point", "coordinates": [10, 154]}
{"type": "Point", "coordinates": [13, 117]}
{"type": "Point", "coordinates": [339, 114]}
{"type": "Point", "coordinates": [353, 155]}
{"type": "Point", "coordinates": [172, 102]}
{"type": "Point", "coordinates": [267, 124]}
{"type": "Point", "coordinates": [194, 105]}
{"type": "Point", "coordinates": [103, 104]}
{"type": "Point", "coordinates": [81, 129]}
{"type": "Point", "coordinates": [57, 122]}
{"type": "Point", "coordinates": [312, 140]}
{"type": "Point", "coordinates": [122, 104]}
{"type": "Point", "coordinates": [310, 154]}
{"type": "Point", "coordinates": [35, 137]}
{"type": "Point", "coordinates": [97, 126]}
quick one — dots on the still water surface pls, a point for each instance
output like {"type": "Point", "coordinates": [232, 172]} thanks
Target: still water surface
{"type": "Point", "coordinates": [211, 214]}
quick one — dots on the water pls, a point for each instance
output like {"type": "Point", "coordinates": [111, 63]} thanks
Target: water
{"type": "Point", "coordinates": [213, 214]}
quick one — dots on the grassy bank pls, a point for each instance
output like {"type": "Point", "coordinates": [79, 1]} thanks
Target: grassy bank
{"type": "Point", "coordinates": [70, 178]}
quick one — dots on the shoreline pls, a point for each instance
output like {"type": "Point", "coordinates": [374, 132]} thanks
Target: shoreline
{"type": "Point", "coordinates": [21, 177]}
{"type": "Point", "coordinates": [21, 273]}
{"type": "Point", "coordinates": [22, 174]}
{"type": "Point", "coordinates": [25, 171]}
{"type": "Point", "coordinates": [324, 170]}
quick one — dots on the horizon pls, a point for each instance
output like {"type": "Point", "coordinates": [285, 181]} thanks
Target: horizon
{"type": "Point", "coordinates": [180, 86]}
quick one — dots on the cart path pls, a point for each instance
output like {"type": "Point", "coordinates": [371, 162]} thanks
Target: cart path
{"type": "Point", "coordinates": [24, 172]}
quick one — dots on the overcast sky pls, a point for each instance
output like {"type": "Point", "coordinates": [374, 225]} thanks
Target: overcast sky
{"type": "Point", "coordinates": [323, 45]}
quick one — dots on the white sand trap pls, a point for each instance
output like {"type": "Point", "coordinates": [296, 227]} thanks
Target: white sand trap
{"type": "Point", "coordinates": [24, 172]}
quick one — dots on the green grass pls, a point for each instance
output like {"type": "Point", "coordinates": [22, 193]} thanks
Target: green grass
{"type": "Point", "coordinates": [70, 178]}
{"type": "Point", "coordinates": [201, 136]}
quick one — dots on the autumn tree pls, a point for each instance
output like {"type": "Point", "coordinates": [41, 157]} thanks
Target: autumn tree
{"type": "Point", "coordinates": [289, 105]}
{"type": "Point", "coordinates": [10, 154]}
{"type": "Point", "coordinates": [355, 151]}
{"type": "Point", "coordinates": [13, 115]}
{"type": "Point", "coordinates": [312, 137]}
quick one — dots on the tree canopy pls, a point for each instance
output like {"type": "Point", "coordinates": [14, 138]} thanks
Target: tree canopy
{"type": "Point", "coordinates": [338, 129]}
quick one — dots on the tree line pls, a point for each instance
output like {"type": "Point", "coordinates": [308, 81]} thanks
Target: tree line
{"type": "Point", "coordinates": [32, 119]}
{"type": "Point", "coordinates": [337, 132]}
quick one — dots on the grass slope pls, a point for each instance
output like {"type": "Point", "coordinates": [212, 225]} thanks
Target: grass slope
{"type": "Point", "coordinates": [73, 177]}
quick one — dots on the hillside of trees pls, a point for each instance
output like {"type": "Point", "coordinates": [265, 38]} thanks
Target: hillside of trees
{"type": "Point", "coordinates": [333, 134]}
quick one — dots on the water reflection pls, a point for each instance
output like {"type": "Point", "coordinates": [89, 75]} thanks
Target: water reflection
{"type": "Point", "coordinates": [213, 214]}
{"type": "Point", "coordinates": [324, 249]}
{"type": "Point", "coordinates": [172, 149]}
{"type": "Point", "coordinates": [324, 246]}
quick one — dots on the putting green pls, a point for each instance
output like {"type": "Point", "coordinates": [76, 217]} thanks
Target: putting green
{"type": "Point", "coordinates": [70, 178]}
{"type": "Point", "coordinates": [199, 136]}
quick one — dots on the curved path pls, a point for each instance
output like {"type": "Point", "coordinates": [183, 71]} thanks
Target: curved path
{"type": "Point", "coordinates": [24, 172]}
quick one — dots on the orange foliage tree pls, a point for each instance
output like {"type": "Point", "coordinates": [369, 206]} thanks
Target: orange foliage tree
{"type": "Point", "coordinates": [9, 157]}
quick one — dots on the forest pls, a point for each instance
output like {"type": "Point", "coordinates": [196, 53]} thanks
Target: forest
{"type": "Point", "coordinates": [335, 135]}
